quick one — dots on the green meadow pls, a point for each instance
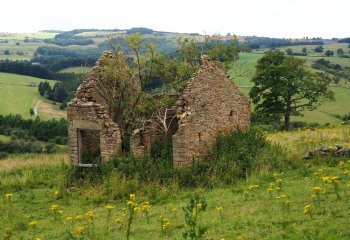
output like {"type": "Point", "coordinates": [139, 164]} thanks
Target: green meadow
{"type": "Point", "coordinates": [16, 96]}
{"type": "Point", "coordinates": [304, 199]}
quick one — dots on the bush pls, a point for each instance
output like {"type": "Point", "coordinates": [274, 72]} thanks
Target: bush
{"type": "Point", "coordinates": [240, 154]}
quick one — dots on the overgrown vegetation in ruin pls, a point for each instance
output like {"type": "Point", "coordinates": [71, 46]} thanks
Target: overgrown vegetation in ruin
{"type": "Point", "coordinates": [143, 87]}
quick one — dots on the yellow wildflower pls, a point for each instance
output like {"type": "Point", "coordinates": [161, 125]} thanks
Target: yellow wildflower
{"type": "Point", "coordinates": [219, 209]}
{"type": "Point", "coordinates": [341, 163]}
{"type": "Point", "coordinates": [8, 195]}
{"type": "Point", "coordinates": [110, 207]}
{"type": "Point", "coordinates": [32, 224]}
{"type": "Point", "coordinates": [117, 220]}
{"type": "Point", "coordinates": [131, 203]}
{"type": "Point", "coordinates": [335, 179]}
{"type": "Point", "coordinates": [199, 205]}
{"type": "Point", "coordinates": [279, 180]}
{"type": "Point", "coordinates": [79, 230]}
{"type": "Point", "coordinates": [89, 214]}
{"type": "Point", "coordinates": [251, 187]}
{"type": "Point", "coordinates": [79, 217]}
{"type": "Point", "coordinates": [123, 215]}
{"type": "Point", "coordinates": [281, 196]}
{"type": "Point", "coordinates": [326, 179]}
{"type": "Point", "coordinates": [174, 210]}
{"type": "Point", "coordinates": [132, 196]}
{"type": "Point", "coordinates": [317, 189]}
{"type": "Point", "coordinates": [69, 219]}
{"type": "Point", "coordinates": [60, 212]}
{"type": "Point", "coordinates": [54, 207]}
{"type": "Point", "coordinates": [37, 238]}
{"type": "Point", "coordinates": [165, 224]}
{"type": "Point", "coordinates": [137, 209]}
{"type": "Point", "coordinates": [307, 209]}
{"type": "Point", "coordinates": [145, 206]}
{"type": "Point", "coordinates": [57, 193]}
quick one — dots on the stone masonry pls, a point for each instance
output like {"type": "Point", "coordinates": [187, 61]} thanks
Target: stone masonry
{"type": "Point", "coordinates": [210, 105]}
{"type": "Point", "coordinates": [89, 118]}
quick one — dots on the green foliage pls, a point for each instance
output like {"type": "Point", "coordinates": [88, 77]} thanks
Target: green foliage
{"type": "Point", "coordinates": [16, 125]}
{"type": "Point", "coordinates": [319, 49]}
{"type": "Point", "coordinates": [289, 51]}
{"type": "Point", "coordinates": [240, 154]}
{"type": "Point", "coordinates": [340, 52]}
{"type": "Point", "coordinates": [284, 87]}
{"type": "Point", "coordinates": [22, 146]}
{"type": "Point", "coordinates": [194, 230]}
{"type": "Point", "coordinates": [25, 68]}
{"type": "Point", "coordinates": [329, 53]}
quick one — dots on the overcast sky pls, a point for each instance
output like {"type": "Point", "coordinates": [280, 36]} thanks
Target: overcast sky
{"type": "Point", "coordinates": [272, 18]}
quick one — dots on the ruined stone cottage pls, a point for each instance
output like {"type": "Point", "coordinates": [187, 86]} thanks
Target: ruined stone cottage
{"type": "Point", "coordinates": [210, 105]}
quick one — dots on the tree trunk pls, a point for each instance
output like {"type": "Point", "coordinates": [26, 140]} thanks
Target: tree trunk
{"type": "Point", "coordinates": [286, 122]}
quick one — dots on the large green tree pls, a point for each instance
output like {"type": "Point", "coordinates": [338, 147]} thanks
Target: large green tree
{"type": "Point", "coordinates": [284, 87]}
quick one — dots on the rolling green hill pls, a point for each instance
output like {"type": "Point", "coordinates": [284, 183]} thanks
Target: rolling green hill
{"type": "Point", "coordinates": [16, 96]}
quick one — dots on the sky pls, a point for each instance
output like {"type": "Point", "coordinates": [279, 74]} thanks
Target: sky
{"type": "Point", "coordinates": [270, 18]}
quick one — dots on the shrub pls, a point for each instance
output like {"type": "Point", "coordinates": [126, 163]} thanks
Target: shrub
{"type": "Point", "coordinates": [239, 154]}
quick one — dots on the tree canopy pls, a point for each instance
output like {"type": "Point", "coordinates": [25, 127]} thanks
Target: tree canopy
{"type": "Point", "coordinates": [283, 87]}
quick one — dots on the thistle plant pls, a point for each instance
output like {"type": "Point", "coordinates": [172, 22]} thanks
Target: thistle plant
{"type": "Point", "coordinates": [194, 230]}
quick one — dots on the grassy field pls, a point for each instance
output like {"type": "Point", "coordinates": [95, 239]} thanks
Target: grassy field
{"type": "Point", "coordinates": [16, 96]}
{"type": "Point", "coordinates": [77, 70]}
{"type": "Point", "coordinates": [300, 201]}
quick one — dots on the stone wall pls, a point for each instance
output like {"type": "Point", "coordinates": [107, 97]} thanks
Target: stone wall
{"type": "Point", "coordinates": [88, 111]}
{"type": "Point", "coordinates": [211, 104]}
{"type": "Point", "coordinates": [141, 142]}
{"type": "Point", "coordinates": [92, 116]}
